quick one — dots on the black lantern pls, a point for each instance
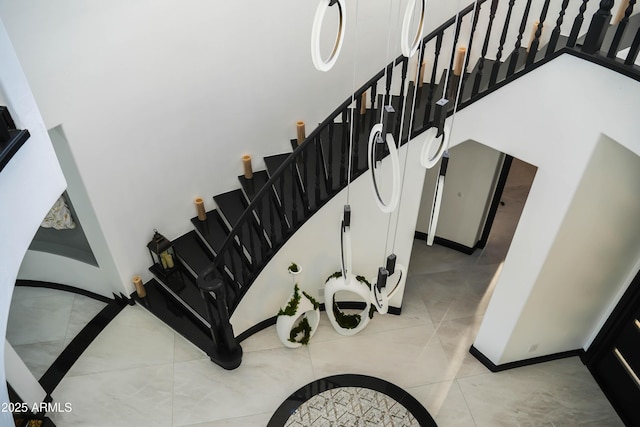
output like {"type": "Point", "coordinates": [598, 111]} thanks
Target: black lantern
{"type": "Point", "coordinates": [162, 254]}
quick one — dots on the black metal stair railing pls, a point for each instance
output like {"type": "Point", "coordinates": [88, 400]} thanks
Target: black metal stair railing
{"type": "Point", "coordinates": [317, 169]}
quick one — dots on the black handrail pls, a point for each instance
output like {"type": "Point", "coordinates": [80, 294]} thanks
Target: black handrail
{"type": "Point", "coordinates": [248, 212]}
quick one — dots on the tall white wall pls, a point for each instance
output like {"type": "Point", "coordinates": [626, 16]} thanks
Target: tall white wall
{"type": "Point", "coordinates": [552, 118]}
{"type": "Point", "coordinates": [29, 185]}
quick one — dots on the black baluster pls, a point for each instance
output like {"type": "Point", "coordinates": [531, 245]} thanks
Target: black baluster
{"type": "Point", "coordinates": [282, 198]}
{"type": "Point", "coordinates": [279, 211]}
{"type": "Point", "coordinates": [622, 25]}
{"type": "Point", "coordinates": [485, 47]}
{"type": "Point", "coordinates": [535, 43]}
{"type": "Point", "coordinates": [432, 83]}
{"type": "Point", "coordinates": [598, 28]}
{"type": "Point", "coordinates": [577, 24]}
{"type": "Point", "coordinates": [633, 51]}
{"type": "Point", "coordinates": [359, 123]}
{"type": "Point", "coordinates": [403, 78]}
{"type": "Point", "coordinates": [555, 34]}
{"type": "Point", "coordinates": [316, 144]}
{"type": "Point", "coordinates": [374, 94]}
{"type": "Point", "coordinates": [474, 25]}
{"type": "Point", "coordinates": [305, 179]}
{"type": "Point", "coordinates": [453, 53]}
{"type": "Point", "coordinates": [343, 149]}
{"type": "Point", "coordinates": [387, 97]}
{"type": "Point", "coordinates": [262, 239]}
{"type": "Point", "coordinates": [331, 150]}
{"type": "Point", "coordinates": [271, 204]}
{"type": "Point", "coordinates": [294, 202]}
{"type": "Point", "coordinates": [249, 258]}
{"type": "Point", "coordinates": [496, 66]}
{"type": "Point", "coordinates": [516, 53]}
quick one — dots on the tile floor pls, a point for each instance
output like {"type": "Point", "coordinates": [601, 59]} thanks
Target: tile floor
{"type": "Point", "coordinates": [139, 372]}
{"type": "Point", "coordinates": [42, 322]}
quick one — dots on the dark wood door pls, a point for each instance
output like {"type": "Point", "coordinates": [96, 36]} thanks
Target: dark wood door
{"type": "Point", "coordinates": [614, 356]}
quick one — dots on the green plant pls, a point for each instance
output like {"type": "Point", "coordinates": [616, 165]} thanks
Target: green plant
{"type": "Point", "coordinates": [315, 303]}
{"type": "Point", "coordinates": [349, 321]}
{"type": "Point", "coordinates": [294, 267]}
{"type": "Point", "coordinates": [292, 306]}
{"type": "Point", "coordinates": [303, 327]}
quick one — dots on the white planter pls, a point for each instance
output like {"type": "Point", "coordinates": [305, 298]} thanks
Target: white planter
{"type": "Point", "coordinates": [284, 323]}
{"type": "Point", "coordinates": [338, 284]}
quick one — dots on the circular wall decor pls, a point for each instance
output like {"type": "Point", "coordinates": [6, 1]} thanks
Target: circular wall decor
{"type": "Point", "coordinates": [320, 63]}
{"type": "Point", "coordinates": [395, 170]}
{"type": "Point", "coordinates": [433, 148]}
{"type": "Point", "coordinates": [409, 49]}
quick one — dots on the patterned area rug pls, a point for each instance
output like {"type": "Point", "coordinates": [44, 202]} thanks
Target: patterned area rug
{"type": "Point", "coordinates": [351, 400]}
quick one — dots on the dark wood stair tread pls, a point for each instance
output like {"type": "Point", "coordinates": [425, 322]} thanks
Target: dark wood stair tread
{"type": "Point", "coordinates": [192, 253]}
{"type": "Point", "coordinates": [232, 205]}
{"type": "Point", "coordinates": [159, 302]}
{"type": "Point", "coordinates": [252, 186]}
{"type": "Point", "coordinates": [184, 289]}
{"type": "Point", "coordinates": [287, 190]}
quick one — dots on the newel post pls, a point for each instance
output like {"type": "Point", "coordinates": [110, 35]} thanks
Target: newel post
{"type": "Point", "coordinates": [598, 27]}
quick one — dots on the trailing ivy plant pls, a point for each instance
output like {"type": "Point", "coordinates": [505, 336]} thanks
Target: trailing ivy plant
{"type": "Point", "coordinates": [349, 321]}
{"type": "Point", "coordinates": [292, 306]}
{"type": "Point", "coordinates": [313, 301]}
{"type": "Point", "coordinates": [303, 327]}
{"type": "Point", "coordinates": [294, 267]}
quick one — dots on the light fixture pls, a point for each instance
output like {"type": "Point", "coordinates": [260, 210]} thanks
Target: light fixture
{"type": "Point", "coordinates": [316, 56]}
{"type": "Point", "coordinates": [409, 50]}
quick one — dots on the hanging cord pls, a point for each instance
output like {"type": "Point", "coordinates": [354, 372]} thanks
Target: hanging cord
{"type": "Point", "coordinates": [406, 157]}
{"type": "Point", "coordinates": [464, 67]}
{"type": "Point", "coordinates": [398, 25]}
{"type": "Point", "coordinates": [353, 97]}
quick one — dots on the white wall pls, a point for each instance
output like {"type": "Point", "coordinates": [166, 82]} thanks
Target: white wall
{"type": "Point", "coordinates": [468, 190]}
{"type": "Point", "coordinates": [543, 131]}
{"type": "Point", "coordinates": [47, 267]}
{"type": "Point", "coordinates": [593, 253]}
{"type": "Point", "coordinates": [29, 185]}
{"type": "Point", "coordinates": [316, 245]}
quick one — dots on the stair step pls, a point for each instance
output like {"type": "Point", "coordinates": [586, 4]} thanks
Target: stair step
{"type": "Point", "coordinates": [288, 190]}
{"type": "Point", "coordinates": [252, 186]}
{"type": "Point", "coordinates": [183, 288]}
{"type": "Point", "coordinates": [312, 172]}
{"type": "Point", "coordinates": [269, 214]}
{"type": "Point", "coordinates": [162, 305]}
{"type": "Point", "coordinates": [232, 205]}
{"type": "Point", "coordinates": [213, 232]}
{"type": "Point", "coordinates": [192, 253]}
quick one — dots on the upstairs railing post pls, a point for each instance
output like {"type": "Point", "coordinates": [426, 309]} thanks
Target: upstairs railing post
{"type": "Point", "coordinates": [516, 53]}
{"type": "Point", "coordinates": [622, 25]}
{"type": "Point", "coordinates": [533, 47]}
{"type": "Point", "coordinates": [555, 34]}
{"type": "Point", "coordinates": [577, 24]}
{"type": "Point", "coordinates": [598, 27]}
{"type": "Point", "coordinates": [503, 37]}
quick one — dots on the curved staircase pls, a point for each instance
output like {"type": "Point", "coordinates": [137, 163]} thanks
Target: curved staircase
{"type": "Point", "coordinates": [219, 260]}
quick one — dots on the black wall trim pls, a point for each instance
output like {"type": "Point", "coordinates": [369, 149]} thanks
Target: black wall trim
{"type": "Point", "coordinates": [256, 328]}
{"type": "Point", "coordinates": [419, 235]}
{"type": "Point", "coordinates": [78, 345]}
{"type": "Point", "coordinates": [520, 363]}
{"type": "Point", "coordinates": [272, 320]}
{"type": "Point", "coordinates": [66, 288]}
